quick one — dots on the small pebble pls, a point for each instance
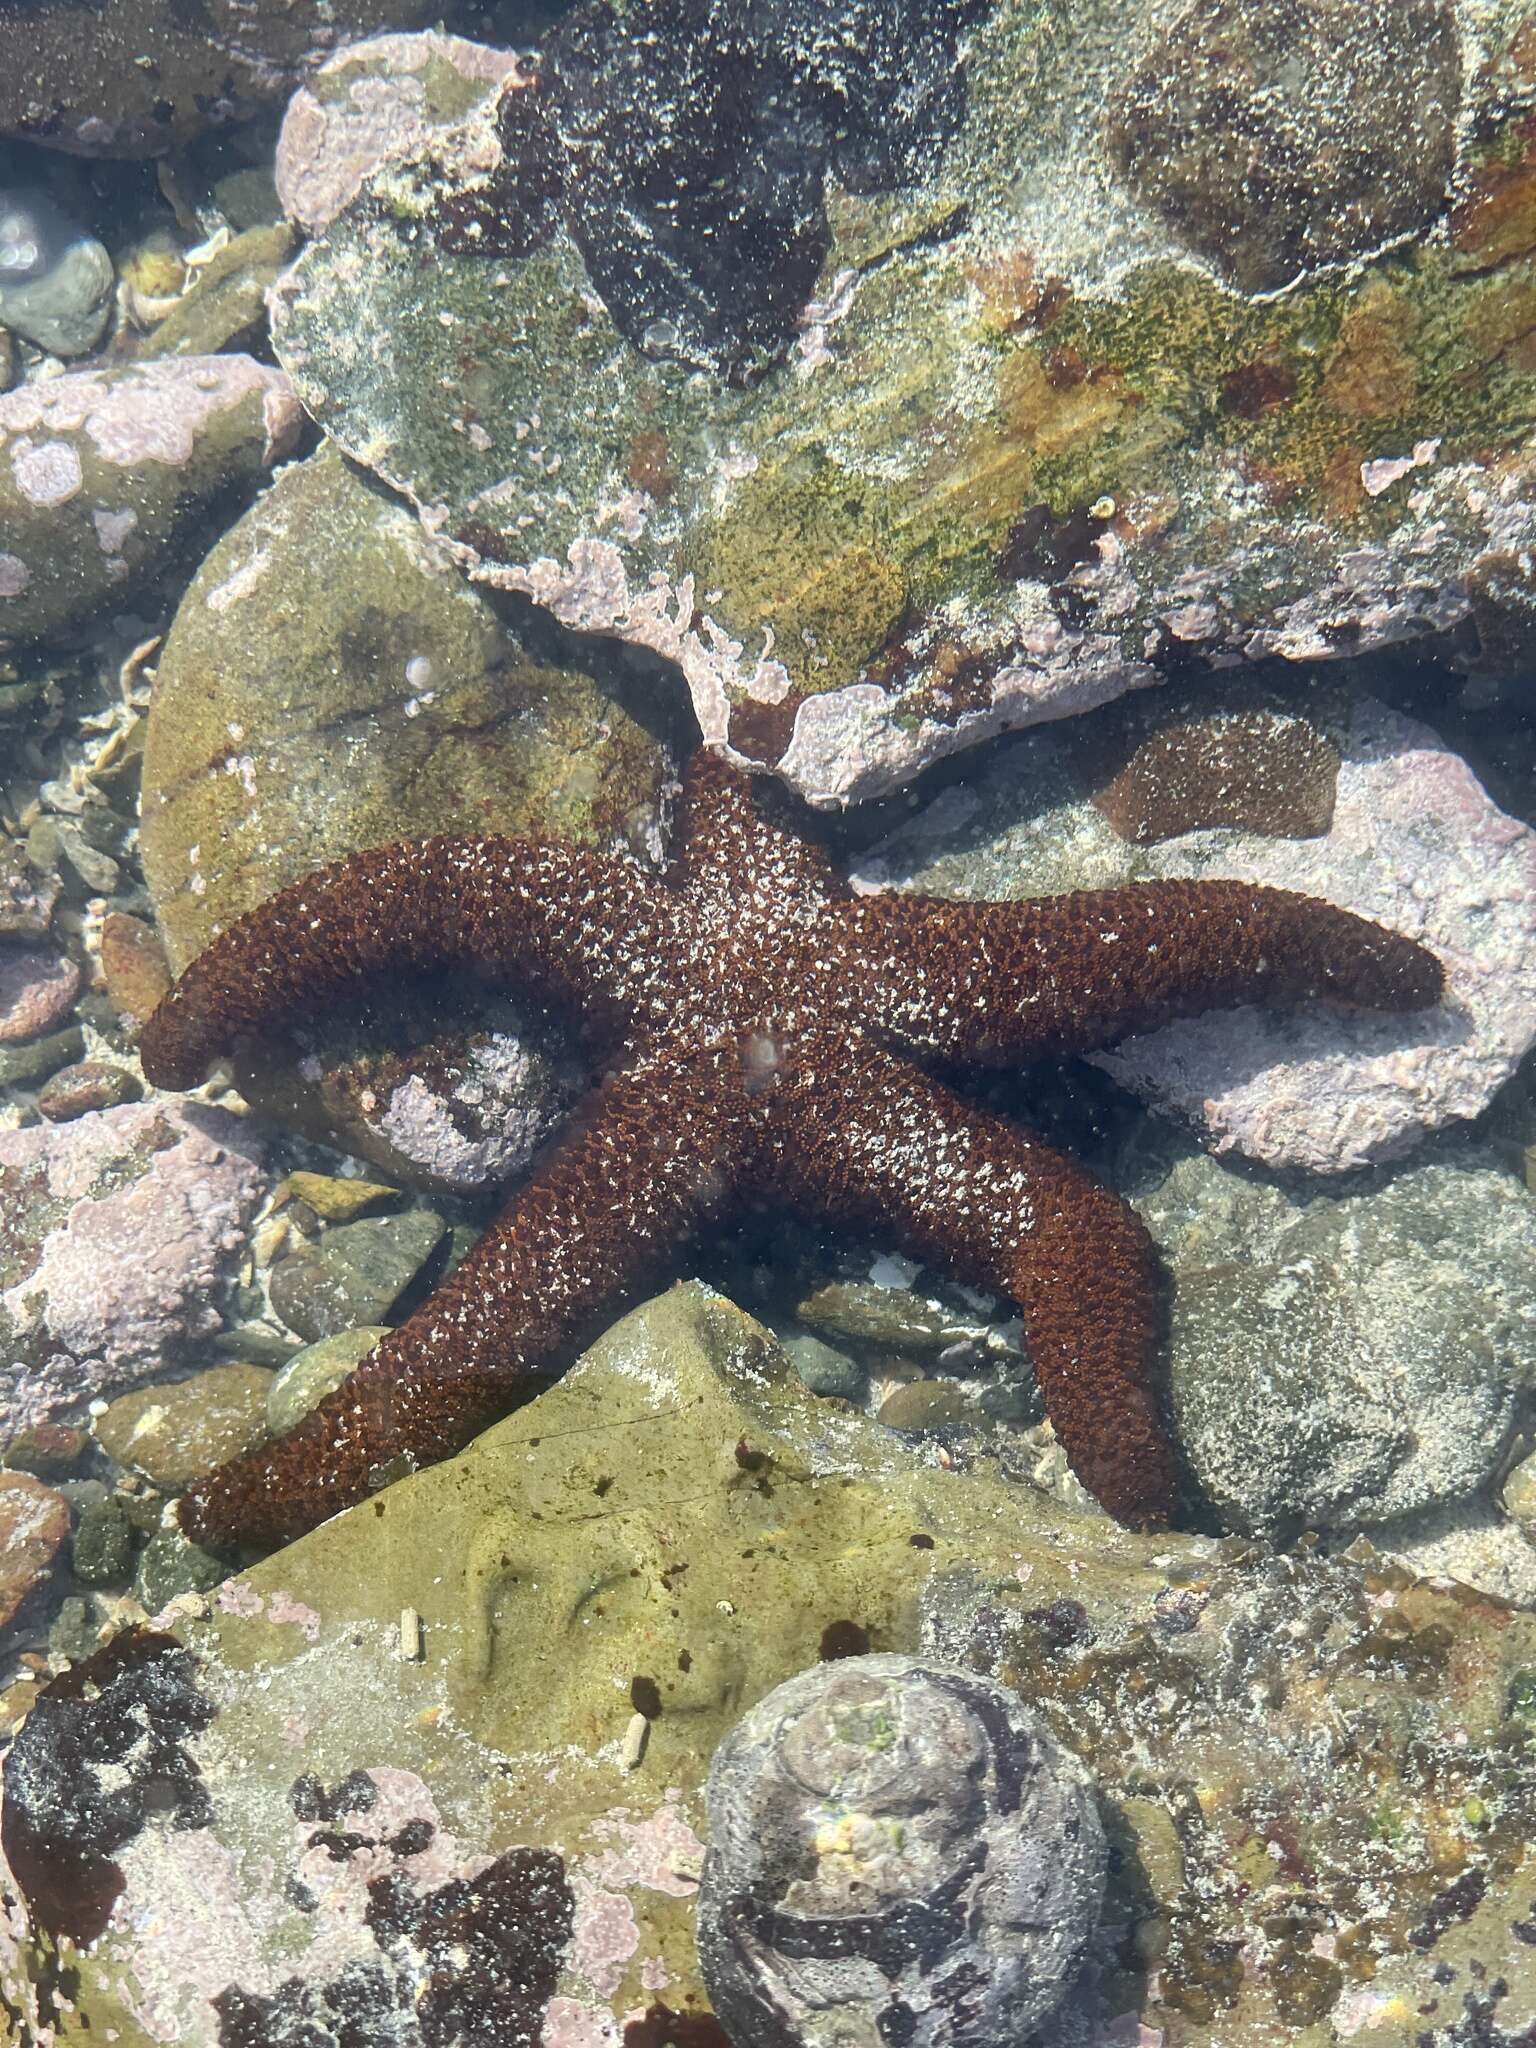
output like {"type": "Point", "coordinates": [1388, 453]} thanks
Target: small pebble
{"type": "Point", "coordinates": [27, 894]}
{"type": "Point", "coordinates": [173, 1434]}
{"type": "Point", "coordinates": [34, 1526]}
{"type": "Point", "coordinates": [103, 1546]}
{"type": "Point", "coordinates": [48, 1451]}
{"type": "Point", "coordinates": [23, 1066]}
{"type": "Point", "coordinates": [823, 1369]}
{"type": "Point", "coordinates": [312, 1373]}
{"type": "Point", "coordinates": [355, 1274]}
{"type": "Point", "coordinates": [75, 1629]}
{"type": "Point", "coordinates": [134, 963]}
{"type": "Point", "coordinates": [338, 1200]}
{"type": "Point", "coordinates": [86, 1085]}
{"type": "Point", "coordinates": [924, 1405]}
{"type": "Point", "coordinates": [169, 1566]}
{"type": "Point", "coordinates": [1519, 1496]}
{"type": "Point", "coordinates": [37, 992]}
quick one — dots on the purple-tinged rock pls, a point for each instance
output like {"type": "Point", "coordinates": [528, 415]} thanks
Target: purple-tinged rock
{"type": "Point", "coordinates": [37, 992]}
{"type": "Point", "coordinates": [34, 1526]}
{"type": "Point", "coordinates": [115, 1232]}
{"type": "Point", "coordinates": [1417, 843]}
{"type": "Point", "coordinates": [105, 474]}
{"type": "Point", "coordinates": [370, 101]}
{"type": "Point", "coordinates": [899, 1852]}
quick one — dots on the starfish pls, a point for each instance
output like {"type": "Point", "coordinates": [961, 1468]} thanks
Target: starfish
{"type": "Point", "coordinates": [760, 1031]}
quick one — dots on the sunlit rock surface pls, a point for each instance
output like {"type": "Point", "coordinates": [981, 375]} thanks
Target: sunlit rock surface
{"type": "Point", "coordinates": [1067, 345]}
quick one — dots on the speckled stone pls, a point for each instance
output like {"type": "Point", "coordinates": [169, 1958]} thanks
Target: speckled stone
{"type": "Point", "coordinates": [34, 1526]}
{"type": "Point", "coordinates": [355, 1274]}
{"type": "Point", "coordinates": [921, 1407]}
{"type": "Point", "coordinates": [823, 1369]}
{"type": "Point", "coordinates": [174, 1433]}
{"type": "Point", "coordinates": [377, 696]}
{"type": "Point", "coordinates": [60, 300]}
{"type": "Point", "coordinates": [311, 1374]}
{"type": "Point", "coordinates": [24, 1066]}
{"type": "Point", "coordinates": [168, 1564]}
{"type": "Point", "coordinates": [49, 1451]}
{"type": "Point", "coordinates": [28, 894]}
{"type": "Point", "coordinates": [104, 1543]}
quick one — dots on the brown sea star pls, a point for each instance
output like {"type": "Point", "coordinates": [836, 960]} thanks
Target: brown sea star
{"type": "Point", "coordinates": [758, 1027]}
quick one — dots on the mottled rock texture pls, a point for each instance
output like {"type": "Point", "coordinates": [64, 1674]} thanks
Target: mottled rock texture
{"type": "Point", "coordinates": [979, 404]}
{"type": "Point", "coordinates": [115, 1233]}
{"type": "Point", "coordinates": [106, 474]}
{"type": "Point", "coordinates": [1248, 1717]}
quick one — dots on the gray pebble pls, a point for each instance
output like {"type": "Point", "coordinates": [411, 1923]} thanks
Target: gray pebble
{"type": "Point", "coordinates": [56, 281]}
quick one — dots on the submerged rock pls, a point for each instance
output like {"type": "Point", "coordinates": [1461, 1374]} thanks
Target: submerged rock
{"type": "Point", "coordinates": [897, 1850]}
{"type": "Point", "coordinates": [55, 280]}
{"type": "Point", "coordinates": [925, 378]}
{"type": "Point", "coordinates": [105, 474]}
{"type": "Point", "coordinates": [1320, 1767]}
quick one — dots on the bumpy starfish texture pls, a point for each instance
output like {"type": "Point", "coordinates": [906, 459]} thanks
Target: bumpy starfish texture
{"type": "Point", "coordinates": [760, 1029]}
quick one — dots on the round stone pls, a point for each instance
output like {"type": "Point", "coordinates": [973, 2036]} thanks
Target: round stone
{"type": "Point", "coordinates": [899, 1852]}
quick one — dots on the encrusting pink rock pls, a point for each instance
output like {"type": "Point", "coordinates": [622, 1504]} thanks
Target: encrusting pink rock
{"type": "Point", "coordinates": [1417, 842]}
{"type": "Point", "coordinates": [115, 1231]}
{"type": "Point", "coordinates": [373, 100]}
{"type": "Point", "coordinates": [37, 992]}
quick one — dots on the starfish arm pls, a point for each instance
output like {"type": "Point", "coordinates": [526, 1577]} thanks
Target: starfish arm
{"type": "Point", "coordinates": [727, 842]}
{"type": "Point", "coordinates": [570, 1252]}
{"type": "Point", "coordinates": [576, 925]}
{"type": "Point", "coordinates": [1001, 983]}
{"type": "Point", "coordinates": [873, 1144]}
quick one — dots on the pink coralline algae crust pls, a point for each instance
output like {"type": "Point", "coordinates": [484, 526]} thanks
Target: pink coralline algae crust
{"type": "Point", "coordinates": [1417, 842]}
{"type": "Point", "coordinates": [152, 412]}
{"type": "Point", "coordinates": [115, 1231]}
{"type": "Point", "coordinates": [329, 143]}
{"type": "Point", "coordinates": [37, 992]}
{"type": "Point", "coordinates": [661, 1852]}
{"type": "Point", "coordinates": [605, 1936]}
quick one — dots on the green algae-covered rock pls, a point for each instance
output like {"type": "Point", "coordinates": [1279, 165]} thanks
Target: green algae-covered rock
{"type": "Point", "coordinates": [330, 683]}
{"type": "Point", "coordinates": [1201, 328]}
{"type": "Point", "coordinates": [1315, 1766]}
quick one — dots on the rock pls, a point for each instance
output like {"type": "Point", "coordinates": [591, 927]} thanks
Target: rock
{"type": "Point", "coordinates": [1519, 1495]}
{"type": "Point", "coordinates": [1413, 841]}
{"type": "Point", "coordinates": [376, 697]}
{"type": "Point", "coordinates": [984, 408]}
{"type": "Point", "coordinates": [1281, 138]}
{"type": "Point", "coordinates": [311, 1374]}
{"type": "Point", "coordinates": [824, 1370]}
{"type": "Point", "coordinates": [175, 1433]}
{"type": "Point", "coordinates": [34, 1526]}
{"type": "Point", "coordinates": [104, 1544]}
{"type": "Point", "coordinates": [134, 963]}
{"type": "Point", "coordinates": [27, 894]}
{"type": "Point", "coordinates": [169, 1565]}
{"type": "Point", "coordinates": [355, 1274]}
{"type": "Point", "coordinates": [108, 474]}
{"type": "Point", "coordinates": [149, 79]}
{"type": "Point", "coordinates": [951, 1902]}
{"type": "Point", "coordinates": [577, 1551]}
{"type": "Point", "coordinates": [374, 100]}
{"type": "Point", "coordinates": [923, 1406]}
{"type": "Point", "coordinates": [336, 1200]}
{"type": "Point", "coordinates": [55, 280]}
{"type": "Point", "coordinates": [75, 1633]}
{"type": "Point", "coordinates": [87, 1085]}
{"type": "Point", "coordinates": [117, 1231]}
{"type": "Point", "coordinates": [226, 307]}
{"type": "Point", "coordinates": [37, 992]}
{"type": "Point", "coordinates": [1338, 1360]}
{"type": "Point", "coordinates": [902, 1319]}
{"type": "Point", "coordinates": [24, 1066]}
{"type": "Point", "coordinates": [49, 1451]}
